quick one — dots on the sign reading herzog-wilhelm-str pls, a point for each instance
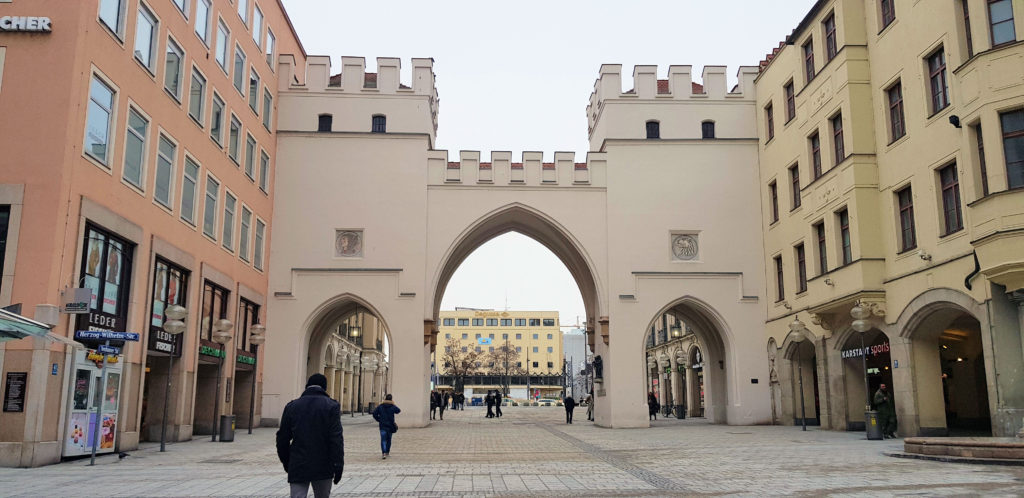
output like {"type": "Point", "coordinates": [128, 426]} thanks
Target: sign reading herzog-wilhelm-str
{"type": "Point", "coordinates": [29, 24]}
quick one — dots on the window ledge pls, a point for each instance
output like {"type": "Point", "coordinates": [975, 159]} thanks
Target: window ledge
{"type": "Point", "coordinates": [951, 236]}
{"type": "Point", "coordinates": [893, 144]}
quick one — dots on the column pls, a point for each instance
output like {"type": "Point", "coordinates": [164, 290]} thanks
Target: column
{"type": "Point", "coordinates": [329, 373]}
{"type": "Point", "coordinates": [339, 386]}
{"type": "Point", "coordinates": [677, 388]}
{"type": "Point", "coordinates": [350, 402]}
{"type": "Point", "coordinates": [692, 393]}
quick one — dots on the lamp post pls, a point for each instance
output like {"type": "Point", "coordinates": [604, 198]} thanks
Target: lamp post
{"type": "Point", "coordinates": [861, 324]}
{"type": "Point", "coordinates": [798, 331]}
{"type": "Point", "coordinates": [666, 364]}
{"type": "Point", "coordinates": [174, 324]}
{"type": "Point", "coordinates": [257, 334]}
{"type": "Point", "coordinates": [681, 363]}
{"type": "Point", "coordinates": [221, 335]}
{"type": "Point", "coordinates": [676, 331]}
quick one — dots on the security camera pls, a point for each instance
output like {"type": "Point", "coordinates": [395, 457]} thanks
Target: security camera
{"type": "Point", "coordinates": [924, 256]}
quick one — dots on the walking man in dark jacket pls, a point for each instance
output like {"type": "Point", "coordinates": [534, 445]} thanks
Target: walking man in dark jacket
{"type": "Point", "coordinates": [489, 400]}
{"type": "Point", "coordinates": [433, 404]}
{"type": "Point", "coordinates": [310, 444]}
{"type": "Point", "coordinates": [442, 403]}
{"type": "Point", "coordinates": [570, 405]}
{"type": "Point", "coordinates": [886, 411]}
{"type": "Point", "coordinates": [384, 414]}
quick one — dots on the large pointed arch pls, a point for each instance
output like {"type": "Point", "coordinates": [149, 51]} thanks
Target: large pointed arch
{"type": "Point", "coordinates": [317, 325]}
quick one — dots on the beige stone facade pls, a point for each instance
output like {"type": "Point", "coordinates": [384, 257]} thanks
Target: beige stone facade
{"type": "Point", "coordinates": [908, 204]}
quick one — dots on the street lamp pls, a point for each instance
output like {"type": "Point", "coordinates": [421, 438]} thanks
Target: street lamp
{"type": "Point", "coordinates": [257, 334]}
{"type": "Point", "coordinates": [174, 324]}
{"type": "Point", "coordinates": [221, 335]}
{"type": "Point", "coordinates": [798, 332]}
{"type": "Point", "coordinates": [676, 330]}
{"type": "Point", "coordinates": [861, 324]}
{"type": "Point", "coordinates": [681, 362]}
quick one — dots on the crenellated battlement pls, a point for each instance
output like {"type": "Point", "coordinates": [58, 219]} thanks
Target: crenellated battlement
{"type": "Point", "coordinates": [353, 77]}
{"type": "Point", "coordinates": [530, 170]}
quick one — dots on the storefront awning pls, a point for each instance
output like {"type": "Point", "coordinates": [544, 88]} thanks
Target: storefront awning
{"type": "Point", "coordinates": [14, 326]}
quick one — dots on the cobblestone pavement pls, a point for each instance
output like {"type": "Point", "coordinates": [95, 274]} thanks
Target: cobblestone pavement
{"type": "Point", "coordinates": [531, 451]}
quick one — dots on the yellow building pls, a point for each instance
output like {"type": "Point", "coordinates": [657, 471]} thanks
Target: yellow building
{"type": "Point", "coordinates": [891, 160]}
{"type": "Point", "coordinates": [535, 336]}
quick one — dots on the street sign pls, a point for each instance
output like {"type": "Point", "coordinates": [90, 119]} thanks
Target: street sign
{"type": "Point", "coordinates": [108, 349]}
{"type": "Point", "coordinates": [106, 335]}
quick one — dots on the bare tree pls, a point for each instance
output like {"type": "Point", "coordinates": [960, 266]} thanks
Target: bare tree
{"type": "Point", "coordinates": [459, 361]}
{"type": "Point", "coordinates": [504, 361]}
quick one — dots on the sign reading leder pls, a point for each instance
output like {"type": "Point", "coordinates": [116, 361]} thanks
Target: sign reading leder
{"type": "Point", "coordinates": [30, 24]}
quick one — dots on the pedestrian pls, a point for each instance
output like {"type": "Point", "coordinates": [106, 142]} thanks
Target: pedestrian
{"type": "Point", "coordinates": [462, 401]}
{"type": "Point", "coordinates": [433, 404]}
{"type": "Point", "coordinates": [886, 408]}
{"type": "Point", "coordinates": [448, 399]}
{"type": "Point", "coordinates": [590, 406]}
{"type": "Point", "coordinates": [498, 400]}
{"type": "Point", "coordinates": [442, 403]}
{"type": "Point", "coordinates": [310, 443]}
{"type": "Point", "coordinates": [489, 401]}
{"type": "Point", "coordinates": [384, 414]}
{"type": "Point", "coordinates": [570, 405]}
{"type": "Point", "coordinates": [652, 406]}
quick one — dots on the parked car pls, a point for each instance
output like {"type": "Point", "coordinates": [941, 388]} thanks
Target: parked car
{"type": "Point", "coordinates": [549, 402]}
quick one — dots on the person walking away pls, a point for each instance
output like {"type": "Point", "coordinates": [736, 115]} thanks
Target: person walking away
{"type": "Point", "coordinates": [310, 443]}
{"type": "Point", "coordinates": [433, 405]}
{"type": "Point", "coordinates": [652, 406]}
{"type": "Point", "coordinates": [462, 401]}
{"type": "Point", "coordinates": [570, 405]}
{"type": "Point", "coordinates": [590, 406]}
{"type": "Point", "coordinates": [442, 403]}
{"type": "Point", "coordinates": [448, 399]}
{"type": "Point", "coordinates": [384, 414]}
{"type": "Point", "coordinates": [489, 401]}
{"type": "Point", "coordinates": [886, 408]}
{"type": "Point", "coordinates": [498, 399]}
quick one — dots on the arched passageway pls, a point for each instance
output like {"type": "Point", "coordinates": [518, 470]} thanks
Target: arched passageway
{"type": "Point", "coordinates": [802, 397]}
{"type": "Point", "coordinates": [870, 350]}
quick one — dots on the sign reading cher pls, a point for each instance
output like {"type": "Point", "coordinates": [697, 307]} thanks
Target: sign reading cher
{"type": "Point", "coordinates": [31, 24]}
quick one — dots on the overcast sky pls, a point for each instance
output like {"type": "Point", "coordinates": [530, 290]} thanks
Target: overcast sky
{"type": "Point", "coordinates": [517, 75]}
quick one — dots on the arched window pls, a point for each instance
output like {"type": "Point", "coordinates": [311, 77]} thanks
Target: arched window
{"type": "Point", "coordinates": [379, 124]}
{"type": "Point", "coordinates": [653, 129]}
{"type": "Point", "coordinates": [324, 122]}
{"type": "Point", "coordinates": [707, 129]}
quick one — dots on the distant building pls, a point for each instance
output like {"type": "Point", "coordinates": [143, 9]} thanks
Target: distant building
{"type": "Point", "coordinates": [574, 343]}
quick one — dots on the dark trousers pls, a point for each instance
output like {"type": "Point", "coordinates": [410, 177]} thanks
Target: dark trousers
{"type": "Point", "coordinates": [497, 410]}
{"type": "Point", "coordinates": [433, 412]}
{"type": "Point", "coordinates": [441, 410]}
{"type": "Point", "coordinates": [490, 411]}
{"type": "Point", "coordinates": [568, 415]}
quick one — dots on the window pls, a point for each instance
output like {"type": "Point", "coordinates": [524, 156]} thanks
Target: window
{"type": "Point", "coordinates": [250, 157]}
{"type": "Point", "coordinates": [770, 120]}
{"type": "Point", "coordinates": [830, 37]}
{"type": "Point", "coordinates": [551, 350]}
{"type": "Point", "coordinates": [801, 268]}
{"type": "Point", "coordinates": [257, 24]}
{"type": "Point", "coordinates": [520, 322]}
{"type": "Point", "coordinates": [98, 119]}
{"type": "Point", "coordinates": [536, 349]}
{"type": "Point", "coordinates": [536, 336]}
{"type": "Point", "coordinates": [203, 20]}
{"type": "Point", "coordinates": [165, 157]}
{"type": "Point", "coordinates": [519, 337]}
{"type": "Point", "coordinates": [243, 10]}
{"type": "Point", "coordinates": [819, 230]}
{"type": "Point", "coordinates": [182, 5]}
{"type": "Point", "coordinates": [773, 196]}
{"type": "Point", "coordinates": [271, 42]}
{"type": "Point", "coordinates": [794, 180]}
{"type": "Point", "coordinates": [780, 287]}
{"type": "Point", "coordinates": [217, 120]}
{"type": "Point", "coordinates": [550, 336]}
{"type": "Point", "coordinates": [535, 364]}
{"type": "Point", "coordinates": [897, 127]}
{"type": "Point", "coordinates": [112, 15]}
{"type": "Point", "coordinates": [106, 271]}
{"type": "Point", "coordinates": [837, 139]}
{"type": "Point", "coordinates": [172, 69]}
{"type": "Point", "coordinates": [223, 34]}
{"type": "Point", "coordinates": [707, 129]}
{"type": "Point", "coordinates": [478, 322]}
{"type": "Point", "coordinates": [951, 215]}
{"type": "Point", "coordinates": [146, 28]}
{"type": "Point", "coordinates": [535, 322]}
{"type": "Point", "coordinates": [264, 170]}
{"type": "Point", "coordinates": [248, 315]}
{"type": "Point", "coordinates": [905, 203]}
{"type": "Point", "coordinates": [888, 12]}
{"type": "Point", "coordinates": [170, 287]}
{"type": "Point", "coordinates": [268, 104]}
{"type": "Point", "coordinates": [967, 28]}
{"type": "Point", "coordinates": [1000, 14]}
{"type": "Point", "coordinates": [189, 180]}
{"type": "Point", "coordinates": [243, 234]}
{"type": "Point", "coordinates": [228, 231]}
{"type": "Point", "coordinates": [549, 322]}
{"type": "Point", "coordinates": [809, 60]}
{"type": "Point", "coordinates": [490, 335]}
{"type": "Point", "coordinates": [815, 141]}
{"type": "Point", "coordinates": [653, 129]}
{"type": "Point", "coordinates": [983, 167]}
{"type": "Point", "coordinates": [215, 307]}
{"type": "Point", "coordinates": [135, 148]}
{"type": "Point", "coordinates": [504, 337]}
{"type": "Point", "coordinates": [1013, 147]}
{"type": "Point", "coordinates": [239, 76]}
{"type": "Point", "coordinates": [210, 209]}
{"type": "Point", "coordinates": [379, 124]}
{"type": "Point", "coordinates": [492, 322]}
{"type": "Point", "coordinates": [506, 322]}
{"type": "Point", "coordinates": [464, 322]}
{"type": "Point", "coordinates": [448, 322]}
{"type": "Point", "coordinates": [196, 97]}
{"type": "Point", "coordinates": [254, 90]}
{"type": "Point", "coordinates": [844, 236]}
{"type": "Point", "coordinates": [234, 135]}
{"type": "Point", "coordinates": [323, 122]}
{"type": "Point", "coordinates": [937, 79]}
{"type": "Point", "coordinates": [790, 101]}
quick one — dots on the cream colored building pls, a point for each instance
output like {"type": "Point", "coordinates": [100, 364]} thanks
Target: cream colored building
{"type": "Point", "coordinates": [915, 116]}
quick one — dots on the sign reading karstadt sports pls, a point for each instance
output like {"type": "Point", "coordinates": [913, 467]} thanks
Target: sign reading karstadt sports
{"type": "Point", "coordinates": [871, 350]}
{"type": "Point", "coordinates": [29, 24]}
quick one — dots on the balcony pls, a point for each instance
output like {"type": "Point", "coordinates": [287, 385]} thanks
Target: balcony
{"type": "Point", "coordinates": [838, 288]}
{"type": "Point", "coordinates": [997, 234]}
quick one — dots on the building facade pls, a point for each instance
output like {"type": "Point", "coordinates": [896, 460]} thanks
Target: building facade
{"type": "Point", "coordinates": [139, 157]}
{"type": "Point", "coordinates": [578, 357]}
{"type": "Point", "coordinates": [675, 368]}
{"type": "Point", "coordinates": [891, 140]}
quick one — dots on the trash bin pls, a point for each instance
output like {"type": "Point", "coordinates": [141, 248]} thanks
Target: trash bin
{"type": "Point", "coordinates": [227, 428]}
{"type": "Point", "coordinates": [874, 429]}
{"type": "Point", "coordinates": [680, 411]}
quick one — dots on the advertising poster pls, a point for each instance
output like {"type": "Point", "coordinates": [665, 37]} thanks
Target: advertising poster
{"type": "Point", "coordinates": [79, 438]}
{"type": "Point", "coordinates": [108, 429]}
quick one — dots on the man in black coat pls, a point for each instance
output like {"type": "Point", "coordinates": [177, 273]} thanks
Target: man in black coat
{"type": "Point", "coordinates": [310, 443]}
{"type": "Point", "coordinates": [570, 405]}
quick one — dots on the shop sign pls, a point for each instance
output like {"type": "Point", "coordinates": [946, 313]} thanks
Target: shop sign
{"type": "Point", "coordinates": [75, 301]}
{"type": "Point", "coordinates": [211, 351]}
{"type": "Point", "coordinates": [248, 360]}
{"type": "Point", "coordinates": [484, 341]}
{"type": "Point", "coordinates": [14, 391]}
{"type": "Point", "coordinates": [97, 357]}
{"type": "Point", "coordinates": [160, 340]}
{"type": "Point", "coordinates": [871, 350]}
{"type": "Point", "coordinates": [28, 24]}
{"type": "Point", "coordinates": [668, 369]}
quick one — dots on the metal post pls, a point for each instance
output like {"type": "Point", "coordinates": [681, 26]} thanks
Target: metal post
{"type": "Point", "coordinates": [867, 389]}
{"type": "Point", "coordinates": [167, 399]}
{"type": "Point", "coordinates": [252, 396]}
{"type": "Point", "coordinates": [216, 397]}
{"type": "Point", "coordinates": [800, 373]}
{"type": "Point", "coordinates": [103, 394]}
{"type": "Point", "coordinates": [359, 398]}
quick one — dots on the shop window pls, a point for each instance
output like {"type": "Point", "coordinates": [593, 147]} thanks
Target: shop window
{"type": "Point", "coordinates": [248, 315]}
{"type": "Point", "coordinates": [215, 307]}
{"type": "Point", "coordinates": [170, 287]}
{"type": "Point", "coordinates": [106, 271]}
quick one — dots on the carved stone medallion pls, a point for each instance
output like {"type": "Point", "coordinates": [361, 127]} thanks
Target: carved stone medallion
{"type": "Point", "coordinates": [684, 247]}
{"type": "Point", "coordinates": [348, 243]}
